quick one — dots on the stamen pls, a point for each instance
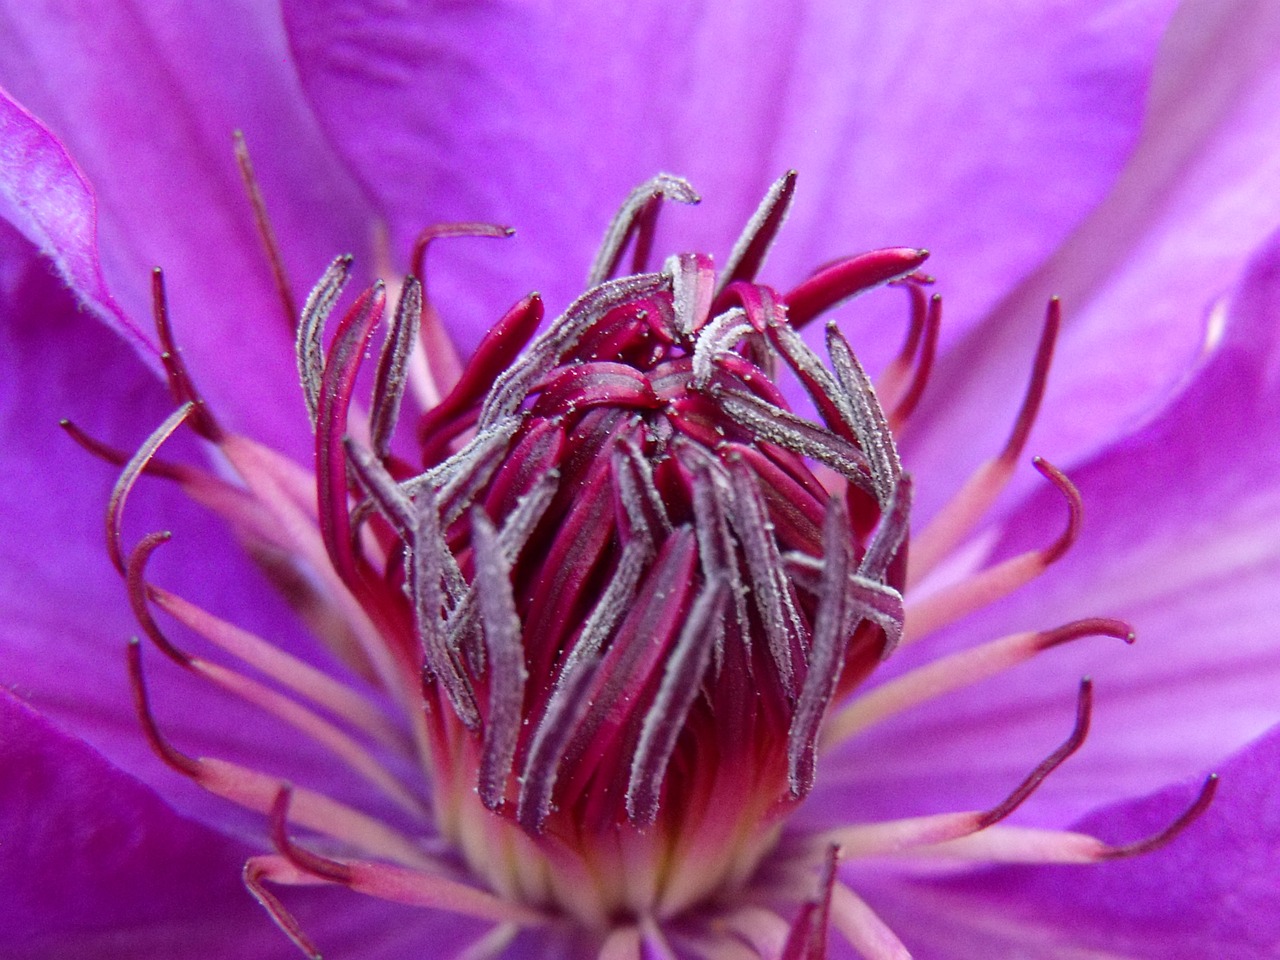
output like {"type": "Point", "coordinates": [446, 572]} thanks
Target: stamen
{"type": "Point", "coordinates": [749, 252]}
{"type": "Point", "coordinates": [495, 353]}
{"type": "Point", "coordinates": [827, 654]}
{"type": "Point", "coordinates": [137, 590]}
{"type": "Point", "coordinates": [895, 837]}
{"type": "Point", "coordinates": [298, 675]}
{"type": "Point", "coordinates": [1035, 388]}
{"type": "Point", "coordinates": [973, 501]}
{"type": "Point", "coordinates": [1004, 844]}
{"type": "Point", "coordinates": [304, 860]}
{"type": "Point", "coordinates": [266, 233]}
{"type": "Point", "coordinates": [129, 476]}
{"type": "Point", "coordinates": [1084, 712]}
{"type": "Point", "coordinates": [774, 425]}
{"type": "Point", "coordinates": [895, 374]}
{"type": "Point", "coordinates": [774, 599]}
{"type": "Point", "coordinates": [808, 936]}
{"type": "Point", "coordinates": [1198, 806]}
{"type": "Point", "coordinates": [438, 231]}
{"type": "Point", "coordinates": [564, 711]}
{"type": "Point", "coordinates": [862, 928]}
{"type": "Point", "coordinates": [636, 218]}
{"type": "Point", "coordinates": [161, 747]}
{"type": "Point", "coordinates": [309, 347]}
{"type": "Point", "coordinates": [118, 458]}
{"type": "Point", "coordinates": [392, 371]}
{"type": "Point", "coordinates": [180, 383]}
{"type": "Point", "coordinates": [336, 385]}
{"type": "Point", "coordinates": [960, 670]}
{"type": "Point", "coordinates": [278, 870]}
{"type": "Point", "coordinates": [306, 721]}
{"type": "Point", "coordinates": [681, 683]}
{"type": "Point", "coordinates": [848, 278]}
{"type": "Point", "coordinates": [915, 390]}
{"type": "Point", "coordinates": [507, 673]}
{"type": "Point", "coordinates": [986, 587]}
{"type": "Point", "coordinates": [870, 422]}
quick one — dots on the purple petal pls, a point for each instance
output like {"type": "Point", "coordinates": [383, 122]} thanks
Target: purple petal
{"type": "Point", "coordinates": [1139, 279]}
{"type": "Point", "coordinates": [1182, 539]}
{"type": "Point", "coordinates": [981, 133]}
{"type": "Point", "coordinates": [1214, 891]}
{"type": "Point", "coordinates": [64, 610]}
{"type": "Point", "coordinates": [145, 99]}
{"type": "Point", "coordinates": [97, 866]}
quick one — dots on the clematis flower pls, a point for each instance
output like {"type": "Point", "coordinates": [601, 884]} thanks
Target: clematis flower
{"type": "Point", "coordinates": [612, 677]}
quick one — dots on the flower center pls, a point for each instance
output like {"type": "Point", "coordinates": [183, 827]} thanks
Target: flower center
{"type": "Point", "coordinates": [633, 596]}
{"type": "Point", "coordinates": [614, 590]}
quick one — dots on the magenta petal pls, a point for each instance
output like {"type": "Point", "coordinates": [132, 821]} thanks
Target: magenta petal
{"type": "Point", "coordinates": [48, 198]}
{"type": "Point", "coordinates": [150, 126]}
{"type": "Point", "coordinates": [1181, 538]}
{"type": "Point", "coordinates": [1214, 891]}
{"type": "Point", "coordinates": [1141, 277]}
{"type": "Point", "coordinates": [64, 611]}
{"type": "Point", "coordinates": [983, 133]}
{"type": "Point", "coordinates": [96, 865]}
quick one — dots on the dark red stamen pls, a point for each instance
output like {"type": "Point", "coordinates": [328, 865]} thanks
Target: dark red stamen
{"type": "Point", "coordinates": [1075, 511]}
{"type": "Point", "coordinates": [304, 860]}
{"type": "Point", "coordinates": [155, 467]}
{"type": "Point", "coordinates": [129, 476]}
{"type": "Point", "coordinates": [253, 876]}
{"type": "Point", "coordinates": [180, 383]}
{"type": "Point", "coordinates": [924, 365]}
{"type": "Point", "coordinates": [1084, 711]}
{"type": "Point", "coordinates": [1035, 388]}
{"type": "Point", "coordinates": [266, 233]}
{"type": "Point", "coordinates": [848, 278]}
{"type": "Point", "coordinates": [139, 598]}
{"type": "Point", "coordinates": [1198, 806]}
{"type": "Point", "coordinates": [438, 231]}
{"type": "Point", "coordinates": [1090, 627]}
{"type": "Point", "coordinates": [170, 754]}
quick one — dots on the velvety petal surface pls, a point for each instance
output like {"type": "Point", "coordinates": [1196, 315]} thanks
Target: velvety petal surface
{"type": "Point", "coordinates": [1140, 277]}
{"type": "Point", "coordinates": [1212, 892]}
{"type": "Point", "coordinates": [64, 610]}
{"type": "Point", "coordinates": [145, 97]}
{"type": "Point", "coordinates": [98, 866]}
{"type": "Point", "coordinates": [983, 131]}
{"type": "Point", "coordinates": [1182, 539]}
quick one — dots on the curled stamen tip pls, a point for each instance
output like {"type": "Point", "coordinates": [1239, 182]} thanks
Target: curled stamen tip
{"type": "Point", "coordinates": [1075, 507]}
{"type": "Point", "coordinates": [1090, 627]}
{"type": "Point", "coordinates": [1192, 813]}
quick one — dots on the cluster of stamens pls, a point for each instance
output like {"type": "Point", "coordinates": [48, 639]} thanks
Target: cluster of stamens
{"type": "Point", "coordinates": [616, 590]}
